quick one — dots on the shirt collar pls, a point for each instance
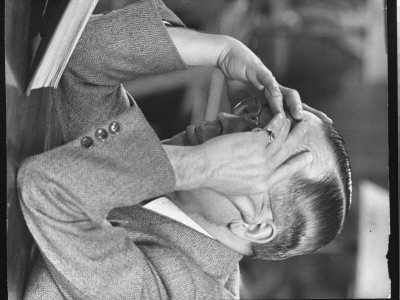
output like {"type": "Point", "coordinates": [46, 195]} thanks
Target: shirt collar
{"type": "Point", "coordinates": [167, 208]}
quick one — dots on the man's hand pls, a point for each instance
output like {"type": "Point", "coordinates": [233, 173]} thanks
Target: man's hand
{"type": "Point", "coordinates": [237, 62]}
{"type": "Point", "coordinates": [318, 113]}
{"type": "Point", "coordinates": [290, 100]}
{"type": "Point", "coordinates": [288, 153]}
{"type": "Point", "coordinates": [238, 163]}
{"type": "Point", "coordinates": [238, 91]}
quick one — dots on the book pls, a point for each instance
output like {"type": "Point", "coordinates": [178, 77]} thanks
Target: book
{"type": "Point", "coordinates": [57, 44]}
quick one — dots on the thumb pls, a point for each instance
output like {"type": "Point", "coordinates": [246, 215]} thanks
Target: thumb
{"type": "Point", "coordinates": [245, 207]}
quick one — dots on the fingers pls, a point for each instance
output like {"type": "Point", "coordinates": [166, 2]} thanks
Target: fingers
{"type": "Point", "coordinates": [297, 138]}
{"type": "Point", "coordinates": [290, 167]}
{"type": "Point", "coordinates": [293, 102]}
{"type": "Point", "coordinates": [245, 206]}
{"type": "Point", "coordinates": [272, 91]}
{"type": "Point", "coordinates": [318, 113]}
{"type": "Point", "coordinates": [280, 126]}
{"type": "Point", "coordinates": [237, 91]}
{"type": "Point", "coordinates": [268, 81]}
{"type": "Point", "coordinates": [275, 124]}
{"type": "Point", "coordinates": [258, 201]}
{"type": "Point", "coordinates": [275, 102]}
{"type": "Point", "coordinates": [250, 207]}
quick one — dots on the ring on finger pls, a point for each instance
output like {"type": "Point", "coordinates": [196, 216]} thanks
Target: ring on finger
{"type": "Point", "coordinates": [271, 136]}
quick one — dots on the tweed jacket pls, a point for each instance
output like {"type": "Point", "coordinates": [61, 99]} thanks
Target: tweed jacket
{"type": "Point", "coordinates": [66, 195]}
{"type": "Point", "coordinates": [121, 45]}
{"type": "Point", "coordinates": [118, 46]}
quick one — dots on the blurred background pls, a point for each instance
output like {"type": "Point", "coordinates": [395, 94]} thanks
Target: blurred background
{"type": "Point", "coordinates": [332, 51]}
{"type": "Point", "coordinates": [334, 54]}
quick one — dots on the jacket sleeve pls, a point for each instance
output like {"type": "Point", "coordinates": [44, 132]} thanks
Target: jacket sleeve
{"type": "Point", "coordinates": [66, 194]}
{"type": "Point", "coordinates": [116, 47]}
{"type": "Point", "coordinates": [167, 15]}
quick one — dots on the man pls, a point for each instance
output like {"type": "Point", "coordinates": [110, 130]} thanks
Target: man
{"type": "Point", "coordinates": [67, 193]}
{"type": "Point", "coordinates": [139, 38]}
{"type": "Point", "coordinates": [298, 215]}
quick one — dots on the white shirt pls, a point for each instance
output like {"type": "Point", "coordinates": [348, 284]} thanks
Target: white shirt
{"type": "Point", "coordinates": [167, 208]}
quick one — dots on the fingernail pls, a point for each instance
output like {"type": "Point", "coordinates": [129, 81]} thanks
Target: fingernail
{"type": "Point", "coordinates": [327, 118]}
{"type": "Point", "coordinates": [281, 120]}
{"type": "Point", "coordinates": [275, 91]}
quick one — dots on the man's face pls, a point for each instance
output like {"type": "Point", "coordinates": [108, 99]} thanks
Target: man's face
{"type": "Point", "coordinates": [315, 143]}
{"type": "Point", "coordinates": [223, 210]}
{"type": "Point", "coordinates": [222, 218]}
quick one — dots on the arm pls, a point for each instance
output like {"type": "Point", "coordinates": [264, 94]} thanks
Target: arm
{"type": "Point", "coordinates": [227, 124]}
{"type": "Point", "coordinates": [66, 194]}
{"type": "Point", "coordinates": [245, 74]}
{"type": "Point", "coordinates": [119, 46]}
{"type": "Point", "coordinates": [236, 62]}
{"type": "Point", "coordinates": [228, 159]}
{"type": "Point", "coordinates": [193, 167]}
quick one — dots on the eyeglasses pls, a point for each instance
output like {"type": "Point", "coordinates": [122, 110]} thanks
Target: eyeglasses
{"type": "Point", "coordinates": [249, 108]}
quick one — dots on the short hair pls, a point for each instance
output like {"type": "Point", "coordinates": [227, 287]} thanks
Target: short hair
{"type": "Point", "coordinates": [310, 213]}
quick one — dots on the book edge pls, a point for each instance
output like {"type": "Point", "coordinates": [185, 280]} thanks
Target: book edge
{"type": "Point", "coordinates": [34, 82]}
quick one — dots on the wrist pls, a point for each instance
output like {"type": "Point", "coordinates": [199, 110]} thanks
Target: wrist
{"type": "Point", "coordinates": [198, 48]}
{"type": "Point", "coordinates": [226, 44]}
{"type": "Point", "coordinates": [190, 166]}
{"type": "Point", "coordinates": [215, 46]}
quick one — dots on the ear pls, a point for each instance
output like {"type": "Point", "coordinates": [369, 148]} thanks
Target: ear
{"type": "Point", "coordinates": [257, 233]}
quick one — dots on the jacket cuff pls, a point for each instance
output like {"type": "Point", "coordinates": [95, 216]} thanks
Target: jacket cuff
{"type": "Point", "coordinates": [167, 14]}
{"type": "Point", "coordinates": [119, 163]}
{"type": "Point", "coordinates": [136, 148]}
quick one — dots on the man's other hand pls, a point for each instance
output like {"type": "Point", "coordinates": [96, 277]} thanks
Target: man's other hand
{"type": "Point", "coordinates": [237, 62]}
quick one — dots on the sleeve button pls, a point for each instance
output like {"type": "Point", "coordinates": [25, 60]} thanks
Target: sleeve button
{"type": "Point", "coordinates": [87, 142]}
{"type": "Point", "coordinates": [101, 134]}
{"type": "Point", "coordinates": [115, 128]}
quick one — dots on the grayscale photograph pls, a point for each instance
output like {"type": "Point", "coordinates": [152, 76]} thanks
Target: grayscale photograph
{"type": "Point", "coordinates": [197, 149]}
